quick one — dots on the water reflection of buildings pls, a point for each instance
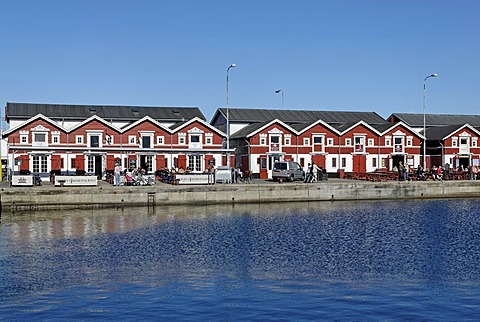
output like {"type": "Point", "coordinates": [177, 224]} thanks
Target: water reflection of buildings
{"type": "Point", "coordinates": [40, 226]}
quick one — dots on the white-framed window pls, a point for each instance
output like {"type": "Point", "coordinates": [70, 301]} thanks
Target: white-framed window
{"type": "Point", "coordinates": [39, 163]}
{"type": "Point", "coordinates": [287, 140]}
{"type": "Point", "coordinates": [275, 143]}
{"type": "Point", "coordinates": [195, 162]}
{"type": "Point", "coordinates": [55, 137]}
{"type": "Point", "coordinates": [388, 141]}
{"type": "Point", "coordinates": [359, 144]}
{"type": "Point", "coordinates": [79, 139]}
{"type": "Point", "coordinates": [318, 143]}
{"type": "Point", "coordinates": [409, 141]}
{"type": "Point", "coordinates": [132, 139]}
{"type": "Point", "coordinates": [109, 139]}
{"type": "Point", "coordinates": [208, 138]}
{"type": "Point", "coordinates": [330, 141]}
{"type": "Point", "coordinates": [263, 139]}
{"type": "Point", "coordinates": [454, 142]}
{"type": "Point", "coordinates": [398, 144]}
{"type": "Point", "coordinates": [94, 139]}
{"type": "Point", "coordinates": [195, 141]}
{"type": "Point", "coordinates": [160, 139]}
{"type": "Point", "coordinates": [474, 142]}
{"type": "Point", "coordinates": [181, 138]}
{"type": "Point", "coordinates": [24, 137]}
{"type": "Point", "coordinates": [306, 141]}
{"type": "Point", "coordinates": [348, 142]}
{"type": "Point", "coordinates": [149, 163]}
{"type": "Point", "coordinates": [371, 142]}
{"type": "Point", "coordinates": [39, 139]}
{"type": "Point", "coordinates": [90, 163]}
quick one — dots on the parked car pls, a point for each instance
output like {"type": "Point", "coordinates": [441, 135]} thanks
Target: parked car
{"type": "Point", "coordinates": [287, 170]}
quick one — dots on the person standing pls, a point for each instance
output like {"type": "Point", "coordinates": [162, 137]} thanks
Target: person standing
{"type": "Point", "coordinates": [401, 171]}
{"type": "Point", "coordinates": [117, 171]}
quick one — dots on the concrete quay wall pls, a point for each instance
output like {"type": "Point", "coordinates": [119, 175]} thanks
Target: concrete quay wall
{"type": "Point", "coordinates": [13, 198]}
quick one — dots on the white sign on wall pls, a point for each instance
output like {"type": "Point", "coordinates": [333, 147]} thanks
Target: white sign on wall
{"type": "Point", "coordinates": [20, 180]}
{"type": "Point", "coordinates": [194, 178]}
{"type": "Point", "coordinates": [76, 180]}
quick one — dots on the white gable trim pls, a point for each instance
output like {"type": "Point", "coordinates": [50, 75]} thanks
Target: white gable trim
{"type": "Point", "coordinates": [34, 118]}
{"type": "Point", "coordinates": [199, 120]}
{"type": "Point", "coordinates": [275, 121]}
{"type": "Point", "coordinates": [462, 128]}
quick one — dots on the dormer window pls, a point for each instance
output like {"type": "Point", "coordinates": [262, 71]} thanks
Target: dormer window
{"type": "Point", "coordinates": [40, 136]}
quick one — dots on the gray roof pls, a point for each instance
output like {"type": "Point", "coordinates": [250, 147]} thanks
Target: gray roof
{"type": "Point", "coordinates": [252, 115]}
{"type": "Point", "coordinates": [243, 132]}
{"type": "Point", "coordinates": [108, 112]}
{"type": "Point", "coordinates": [416, 120]}
{"type": "Point", "coordinates": [382, 127]}
{"type": "Point", "coordinates": [440, 132]}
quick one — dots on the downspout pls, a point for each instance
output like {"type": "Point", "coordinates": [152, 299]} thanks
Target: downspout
{"type": "Point", "coordinates": [68, 159]}
{"type": "Point", "coordinates": [248, 154]}
{"type": "Point", "coordinates": [443, 155]}
{"type": "Point", "coordinates": [378, 154]}
{"type": "Point", "coordinates": [171, 147]}
{"type": "Point", "coordinates": [296, 143]}
{"type": "Point", "coordinates": [339, 154]}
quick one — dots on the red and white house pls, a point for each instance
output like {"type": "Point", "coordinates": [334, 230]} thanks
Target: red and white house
{"type": "Point", "coordinates": [335, 141]}
{"type": "Point", "coordinates": [91, 139]}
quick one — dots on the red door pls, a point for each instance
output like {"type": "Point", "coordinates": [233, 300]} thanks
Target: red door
{"type": "Point", "coordinates": [359, 163]}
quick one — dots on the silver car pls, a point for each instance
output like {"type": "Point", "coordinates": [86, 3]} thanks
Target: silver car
{"type": "Point", "coordinates": [287, 170]}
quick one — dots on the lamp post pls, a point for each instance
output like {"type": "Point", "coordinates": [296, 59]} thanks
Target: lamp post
{"type": "Point", "coordinates": [424, 128]}
{"type": "Point", "coordinates": [228, 119]}
{"type": "Point", "coordinates": [283, 98]}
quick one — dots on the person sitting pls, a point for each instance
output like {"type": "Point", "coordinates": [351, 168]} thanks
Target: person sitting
{"type": "Point", "coordinates": [420, 173]}
{"type": "Point", "coordinates": [439, 173]}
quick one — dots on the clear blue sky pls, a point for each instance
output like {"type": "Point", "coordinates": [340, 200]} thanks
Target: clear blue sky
{"type": "Point", "coordinates": [325, 55]}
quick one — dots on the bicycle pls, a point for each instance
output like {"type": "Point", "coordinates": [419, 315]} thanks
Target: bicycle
{"type": "Point", "coordinates": [246, 177]}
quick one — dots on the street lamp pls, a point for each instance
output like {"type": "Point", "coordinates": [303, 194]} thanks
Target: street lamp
{"type": "Point", "coordinates": [228, 122]}
{"type": "Point", "coordinates": [283, 98]}
{"type": "Point", "coordinates": [424, 128]}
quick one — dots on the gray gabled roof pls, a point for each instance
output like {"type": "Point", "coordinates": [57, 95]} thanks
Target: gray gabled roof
{"type": "Point", "coordinates": [252, 115]}
{"type": "Point", "coordinates": [108, 112]}
{"type": "Point", "coordinates": [416, 120]}
{"type": "Point", "coordinates": [243, 132]}
{"type": "Point", "coordinates": [440, 132]}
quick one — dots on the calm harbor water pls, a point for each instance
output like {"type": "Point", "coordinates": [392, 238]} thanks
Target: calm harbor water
{"type": "Point", "coordinates": [406, 260]}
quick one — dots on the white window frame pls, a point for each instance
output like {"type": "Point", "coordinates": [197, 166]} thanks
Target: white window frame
{"type": "Point", "coordinates": [78, 139]}
{"type": "Point", "coordinates": [474, 142]}
{"type": "Point", "coordinates": [208, 138]}
{"type": "Point", "coordinates": [330, 141]}
{"type": "Point", "coordinates": [263, 139]}
{"type": "Point", "coordinates": [322, 144]}
{"type": "Point", "coordinates": [388, 141]}
{"type": "Point", "coordinates": [361, 144]}
{"type": "Point", "coordinates": [23, 137]}
{"type": "Point", "coordinates": [36, 134]}
{"type": "Point", "coordinates": [401, 145]}
{"type": "Point", "coordinates": [95, 133]}
{"type": "Point", "coordinates": [132, 139]}
{"type": "Point", "coordinates": [306, 141]}
{"type": "Point", "coordinates": [454, 142]}
{"type": "Point", "coordinates": [409, 141]}
{"type": "Point", "coordinates": [348, 142]}
{"type": "Point", "coordinates": [55, 137]}
{"type": "Point", "coordinates": [287, 140]}
{"type": "Point", "coordinates": [279, 142]}
{"type": "Point", "coordinates": [109, 139]}
{"type": "Point", "coordinates": [182, 138]}
{"type": "Point", "coordinates": [160, 140]}
{"type": "Point", "coordinates": [370, 142]}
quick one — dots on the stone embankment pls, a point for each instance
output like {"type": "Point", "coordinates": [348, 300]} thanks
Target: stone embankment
{"type": "Point", "coordinates": [105, 195]}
